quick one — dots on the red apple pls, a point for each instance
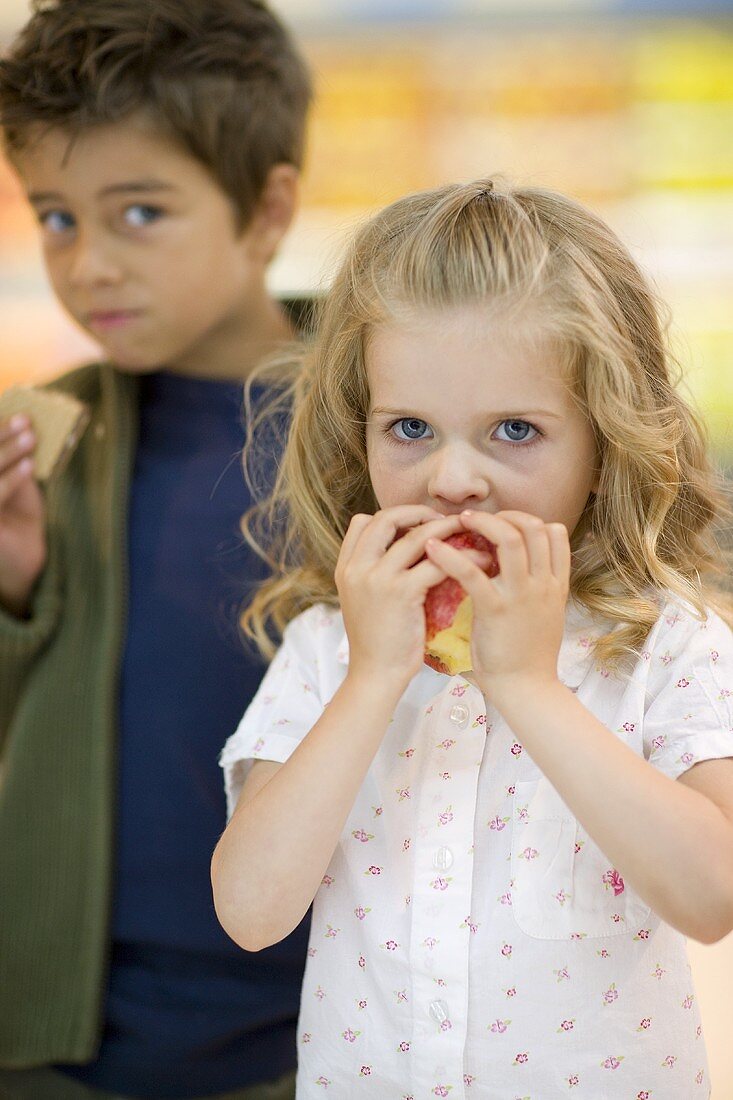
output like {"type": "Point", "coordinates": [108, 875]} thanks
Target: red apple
{"type": "Point", "coordinates": [449, 613]}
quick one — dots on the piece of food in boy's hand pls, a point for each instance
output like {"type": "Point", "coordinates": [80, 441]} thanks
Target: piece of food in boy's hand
{"type": "Point", "coordinates": [58, 422]}
{"type": "Point", "coordinates": [449, 612]}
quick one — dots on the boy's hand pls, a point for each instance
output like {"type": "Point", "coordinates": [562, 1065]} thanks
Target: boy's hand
{"type": "Point", "coordinates": [22, 517]}
{"type": "Point", "coordinates": [519, 615]}
{"type": "Point", "coordinates": [382, 582]}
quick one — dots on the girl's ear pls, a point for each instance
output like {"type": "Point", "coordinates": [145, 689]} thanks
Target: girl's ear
{"type": "Point", "coordinates": [275, 210]}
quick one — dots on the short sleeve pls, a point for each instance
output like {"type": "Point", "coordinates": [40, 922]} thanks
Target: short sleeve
{"type": "Point", "coordinates": [688, 714]}
{"type": "Point", "coordinates": [301, 679]}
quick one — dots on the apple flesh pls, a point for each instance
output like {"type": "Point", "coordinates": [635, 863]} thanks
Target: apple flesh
{"type": "Point", "coordinates": [449, 613]}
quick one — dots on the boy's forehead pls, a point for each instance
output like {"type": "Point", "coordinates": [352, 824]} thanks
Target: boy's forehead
{"type": "Point", "coordinates": [53, 158]}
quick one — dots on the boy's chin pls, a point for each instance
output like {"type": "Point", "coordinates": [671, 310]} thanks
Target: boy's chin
{"type": "Point", "coordinates": [128, 363]}
{"type": "Point", "coordinates": [123, 354]}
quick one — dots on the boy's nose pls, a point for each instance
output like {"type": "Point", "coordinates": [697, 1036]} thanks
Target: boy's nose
{"type": "Point", "coordinates": [457, 476]}
{"type": "Point", "coordinates": [92, 263]}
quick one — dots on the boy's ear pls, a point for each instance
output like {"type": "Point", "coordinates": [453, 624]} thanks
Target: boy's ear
{"type": "Point", "coordinates": [275, 210]}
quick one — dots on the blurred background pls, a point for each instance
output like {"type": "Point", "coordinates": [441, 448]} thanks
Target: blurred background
{"type": "Point", "coordinates": [626, 105]}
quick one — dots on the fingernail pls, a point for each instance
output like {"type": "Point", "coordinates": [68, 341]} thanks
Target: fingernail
{"type": "Point", "coordinates": [467, 512]}
{"type": "Point", "coordinates": [18, 422]}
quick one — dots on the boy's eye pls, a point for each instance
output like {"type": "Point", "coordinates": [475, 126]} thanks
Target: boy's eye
{"type": "Point", "coordinates": [516, 431]}
{"type": "Point", "coordinates": [56, 221]}
{"type": "Point", "coordinates": [141, 214]}
{"type": "Point", "coordinates": [411, 428]}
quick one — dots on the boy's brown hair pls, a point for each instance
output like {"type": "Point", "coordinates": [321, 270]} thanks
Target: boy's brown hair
{"type": "Point", "coordinates": [221, 77]}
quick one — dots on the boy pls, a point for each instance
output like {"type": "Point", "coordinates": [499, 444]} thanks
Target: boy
{"type": "Point", "coordinates": [159, 143]}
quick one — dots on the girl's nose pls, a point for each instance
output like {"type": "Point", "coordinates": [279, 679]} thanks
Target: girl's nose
{"type": "Point", "coordinates": [92, 263]}
{"type": "Point", "coordinates": [457, 476]}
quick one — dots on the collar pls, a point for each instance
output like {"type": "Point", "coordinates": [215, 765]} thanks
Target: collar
{"type": "Point", "coordinates": [575, 658]}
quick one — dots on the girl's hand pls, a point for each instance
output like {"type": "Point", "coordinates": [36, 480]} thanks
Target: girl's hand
{"type": "Point", "coordinates": [22, 517]}
{"type": "Point", "coordinates": [519, 615]}
{"type": "Point", "coordinates": [382, 582]}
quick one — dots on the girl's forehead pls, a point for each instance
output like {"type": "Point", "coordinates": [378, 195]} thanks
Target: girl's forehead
{"type": "Point", "coordinates": [466, 326]}
{"type": "Point", "coordinates": [463, 354]}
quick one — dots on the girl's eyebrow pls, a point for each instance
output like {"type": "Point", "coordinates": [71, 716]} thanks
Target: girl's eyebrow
{"type": "Point", "coordinates": [512, 414]}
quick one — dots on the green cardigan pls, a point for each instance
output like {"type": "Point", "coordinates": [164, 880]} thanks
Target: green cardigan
{"type": "Point", "coordinates": [58, 695]}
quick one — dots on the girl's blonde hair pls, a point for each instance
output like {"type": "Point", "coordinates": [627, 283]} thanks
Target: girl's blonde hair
{"type": "Point", "coordinates": [649, 528]}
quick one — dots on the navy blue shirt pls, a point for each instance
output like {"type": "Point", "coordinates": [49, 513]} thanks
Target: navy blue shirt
{"type": "Point", "coordinates": [187, 1012]}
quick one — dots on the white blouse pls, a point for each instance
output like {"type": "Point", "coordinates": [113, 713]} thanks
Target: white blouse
{"type": "Point", "coordinates": [469, 939]}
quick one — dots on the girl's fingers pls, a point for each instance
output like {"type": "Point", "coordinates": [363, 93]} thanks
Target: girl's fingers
{"type": "Point", "coordinates": [425, 575]}
{"type": "Point", "coordinates": [511, 548]}
{"type": "Point", "coordinates": [536, 540]}
{"type": "Point", "coordinates": [358, 523]}
{"type": "Point", "coordinates": [559, 540]}
{"type": "Point", "coordinates": [547, 545]}
{"type": "Point", "coordinates": [458, 565]}
{"type": "Point", "coordinates": [376, 536]}
{"type": "Point", "coordinates": [525, 545]}
{"type": "Point", "coordinates": [410, 547]}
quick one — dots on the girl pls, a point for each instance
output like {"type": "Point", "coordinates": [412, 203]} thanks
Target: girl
{"type": "Point", "coordinates": [503, 865]}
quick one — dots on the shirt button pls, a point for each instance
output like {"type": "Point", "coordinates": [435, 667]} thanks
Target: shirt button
{"type": "Point", "coordinates": [459, 715]}
{"type": "Point", "coordinates": [443, 859]}
{"type": "Point", "coordinates": [439, 1011]}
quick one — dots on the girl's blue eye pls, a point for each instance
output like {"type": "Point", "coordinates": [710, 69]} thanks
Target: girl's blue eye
{"type": "Point", "coordinates": [516, 431]}
{"type": "Point", "coordinates": [56, 221]}
{"type": "Point", "coordinates": [411, 429]}
{"type": "Point", "coordinates": [140, 214]}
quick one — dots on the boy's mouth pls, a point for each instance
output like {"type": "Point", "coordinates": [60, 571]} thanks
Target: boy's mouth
{"type": "Point", "coordinates": [104, 320]}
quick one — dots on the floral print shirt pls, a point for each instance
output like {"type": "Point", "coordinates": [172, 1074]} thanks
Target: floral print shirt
{"type": "Point", "coordinates": [469, 939]}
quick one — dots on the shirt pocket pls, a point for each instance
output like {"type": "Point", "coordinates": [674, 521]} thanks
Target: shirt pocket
{"type": "Point", "coordinates": [563, 887]}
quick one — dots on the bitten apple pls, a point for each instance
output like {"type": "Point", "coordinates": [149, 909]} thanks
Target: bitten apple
{"type": "Point", "coordinates": [449, 613]}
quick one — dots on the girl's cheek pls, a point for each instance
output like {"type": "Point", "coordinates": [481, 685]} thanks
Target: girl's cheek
{"type": "Point", "coordinates": [401, 462]}
{"type": "Point", "coordinates": [396, 485]}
